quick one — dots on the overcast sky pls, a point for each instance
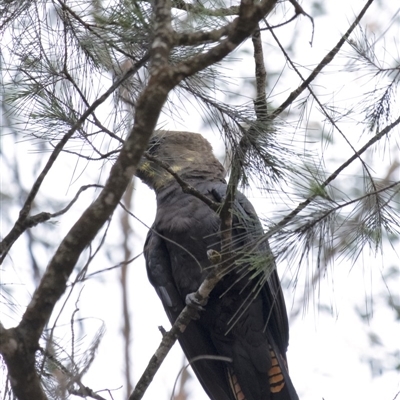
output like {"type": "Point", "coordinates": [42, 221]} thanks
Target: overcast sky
{"type": "Point", "coordinates": [329, 344]}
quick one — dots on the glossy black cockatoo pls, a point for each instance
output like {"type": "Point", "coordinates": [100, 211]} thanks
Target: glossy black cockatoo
{"type": "Point", "coordinates": [244, 320]}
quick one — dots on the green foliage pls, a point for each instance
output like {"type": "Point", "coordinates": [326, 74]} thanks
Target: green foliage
{"type": "Point", "coordinates": [329, 194]}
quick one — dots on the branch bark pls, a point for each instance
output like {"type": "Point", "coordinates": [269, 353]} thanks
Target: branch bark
{"type": "Point", "coordinates": [25, 337]}
{"type": "Point", "coordinates": [19, 344]}
{"type": "Point", "coordinates": [170, 337]}
{"type": "Point", "coordinates": [20, 225]}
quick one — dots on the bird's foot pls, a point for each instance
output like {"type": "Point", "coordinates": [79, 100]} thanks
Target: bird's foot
{"type": "Point", "coordinates": [195, 304]}
{"type": "Point", "coordinates": [214, 256]}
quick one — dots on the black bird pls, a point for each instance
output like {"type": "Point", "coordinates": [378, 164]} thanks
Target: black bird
{"type": "Point", "coordinates": [244, 320]}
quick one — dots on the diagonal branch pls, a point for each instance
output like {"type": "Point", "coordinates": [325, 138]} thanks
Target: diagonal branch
{"type": "Point", "coordinates": [284, 221]}
{"type": "Point", "coordinates": [239, 30]}
{"type": "Point", "coordinates": [330, 119]}
{"type": "Point", "coordinates": [324, 62]}
{"type": "Point", "coordinates": [179, 326]}
{"type": "Point", "coordinates": [22, 342]}
{"type": "Point", "coordinates": [19, 226]}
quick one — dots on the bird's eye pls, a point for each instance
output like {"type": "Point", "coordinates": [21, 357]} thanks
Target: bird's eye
{"type": "Point", "coordinates": [152, 147]}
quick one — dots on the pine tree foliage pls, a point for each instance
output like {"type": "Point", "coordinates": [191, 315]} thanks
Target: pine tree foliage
{"type": "Point", "coordinates": [89, 81]}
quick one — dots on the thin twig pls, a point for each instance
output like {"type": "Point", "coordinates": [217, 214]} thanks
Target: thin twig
{"type": "Point", "coordinates": [325, 61]}
{"type": "Point", "coordinates": [330, 119]}
{"type": "Point", "coordinates": [284, 221]}
{"type": "Point", "coordinates": [199, 8]}
{"type": "Point", "coordinates": [186, 188]}
{"type": "Point", "coordinates": [119, 265]}
{"type": "Point", "coordinates": [123, 278]}
{"type": "Point", "coordinates": [41, 217]}
{"type": "Point", "coordinates": [179, 326]}
{"type": "Point", "coordinates": [19, 226]}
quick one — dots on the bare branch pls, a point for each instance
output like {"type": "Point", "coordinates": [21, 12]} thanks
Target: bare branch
{"type": "Point", "coordinates": [239, 29]}
{"type": "Point", "coordinates": [325, 61]}
{"type": "Point", "coordinates": [18, 227]}
{"type": "Point", "coordinates": [170, 337]}
{"type": "Point", "coordinates": [284, 221]}
{"type": "Point", "coordinates": [30, 222]}
{"type": "Point", "coordinates": [299, 10]}
{"type": "Point", "coordinates": [199, 8]}
{"type": "Point", "coordinates": [195, 38]}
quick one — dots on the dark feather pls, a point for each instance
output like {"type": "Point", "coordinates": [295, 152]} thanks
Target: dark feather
{"type": "Point", "coordinates": [244, 319]}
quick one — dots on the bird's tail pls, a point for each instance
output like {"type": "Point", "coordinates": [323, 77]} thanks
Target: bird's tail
{"type": "Point", "coordinates": [280, 384]}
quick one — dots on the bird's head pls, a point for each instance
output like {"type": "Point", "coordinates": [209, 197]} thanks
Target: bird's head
{"type": "Point", "coordinates": [187, 154]}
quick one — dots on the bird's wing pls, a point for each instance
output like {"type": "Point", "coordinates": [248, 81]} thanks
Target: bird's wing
{"type": "Point", "coordinates": [246, 231]}
{"type": "Point", "coordinates": [258, 341]}
{"type": "Point", "coordinates": [195, 340]}
{"type": "Point", "coordinates": [260, 338]}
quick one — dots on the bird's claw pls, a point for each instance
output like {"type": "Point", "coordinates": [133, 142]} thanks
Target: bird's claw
{"type": "Point", "coordinates": [195, 304]}
{"type": "Point", "coordinates": [193, 301]}
{"type": "Point", "coordinates": [214, 256]}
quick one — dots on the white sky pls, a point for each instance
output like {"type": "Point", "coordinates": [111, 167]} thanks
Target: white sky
{"type": "Point", "coordinates": [326, 348]}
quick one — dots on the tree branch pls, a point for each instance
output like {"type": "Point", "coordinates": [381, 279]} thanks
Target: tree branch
{"type": "Point", "coordinates": [54, 281]}
{"type": "Point", "coordinates": [199, 8]}
{"type": "Point", "coordinates": [238, 30]}
{"type": "Point", "coordinates": [19, 226]}
{"type": "Point", "coordinates": [22, 342]}
{"type": "Point", "coordinates": [179, 326]}
{"type": "Point", "coordinates": [284, 221]}
{"type": "Point", "coordinates": [325, 61]}
{"type": "Point", "coordinates": [196, 38]}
